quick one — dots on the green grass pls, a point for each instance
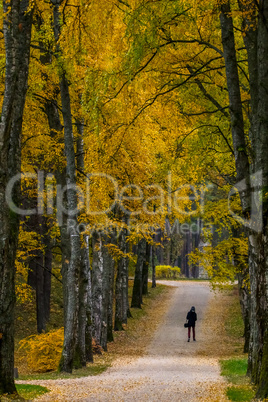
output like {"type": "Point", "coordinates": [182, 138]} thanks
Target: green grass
{"type": "Point", "coordinates": [235, 368]}
{"type": "Point", "coordinates": [240, 394]}
{"type": "Point", "coordinates": [235, 371]}
{"type": "Point", "coordinates": [31, 391]}
{"type": "Point", "coordinates": [26, 392]}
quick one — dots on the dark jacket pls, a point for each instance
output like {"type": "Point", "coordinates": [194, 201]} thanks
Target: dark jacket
{"type": "Point", "coordinates": [191, 317]}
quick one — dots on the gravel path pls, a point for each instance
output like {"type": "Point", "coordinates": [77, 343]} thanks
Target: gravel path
{"type": "Point", "coordinates": [171, 370]}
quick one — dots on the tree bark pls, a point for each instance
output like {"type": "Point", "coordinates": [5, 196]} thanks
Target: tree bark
{"type": "Point", "coordinates": [153, 265]}
{"type": "Point", "coordinates": [17, 48]}
{"type": "Point", "coordinates": [71, 277]}
{"type": "Point", "coordinates": [84, 347]}
{"type": "Point", "coordinates": [84, 341]}
{"type": "Point", "coordinates": [107, 303]}
{"type": "Point", "coordinates": [105, 291]}
{"type": "Point", "coordinates": [244, 297]}
{"type": "Point", "coordinates": [121, 285]}
{"type": "Point", "coordinates": [88, 335]}
{"type": "Point", "coordinates": [40, 306]}
{"type": "Point", "coordinates": [239, 143]}
{"type": "Point", "coordinates": [47, 271]}
{"type": "Point", "coordinates": [256, 42]}
{"type": "Point", "coordinates": [145, 270]}
{"type": "Point", "coordinates": [261, 243]}
{"type": "Point", "coordinates": [125, 249]}
{"type": "Point", "coordinates": [110, 336]}
{"type": "Point", "coordinates": [235, 103]}
{"type": "Point", "coordinates": [137, 287]}
{"type": "Point", "coordinates": [97, 272]}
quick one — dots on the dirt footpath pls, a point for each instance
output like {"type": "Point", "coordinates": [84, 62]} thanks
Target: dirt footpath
{"type": "Point", "coordinates": [171, 370]}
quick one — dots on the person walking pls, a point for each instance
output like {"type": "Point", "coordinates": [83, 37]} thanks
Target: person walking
{"type": "Point", "coordinates": [191, 317]}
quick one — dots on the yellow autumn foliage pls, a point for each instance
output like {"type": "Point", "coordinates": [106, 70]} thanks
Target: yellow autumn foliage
{"type": "Point", "coordinates": [29, 242]}
{"type": "Point", "coordinates": [166, 271]}
{"type": "Point", "coordinates": [43, 351]}
{"type": "Point", "coordinates": [223, 261]}
{"type": "Point", "coordinates": [23, 293]}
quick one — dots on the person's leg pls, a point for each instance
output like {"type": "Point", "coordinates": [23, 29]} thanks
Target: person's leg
{"type": "Point", "coordinates": [189, 333]}
{"type": "Point", "coordinates": [194, 333]}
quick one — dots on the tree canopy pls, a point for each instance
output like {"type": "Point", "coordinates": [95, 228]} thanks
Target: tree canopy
{"type": "Point", "coordinates": [122, 115]}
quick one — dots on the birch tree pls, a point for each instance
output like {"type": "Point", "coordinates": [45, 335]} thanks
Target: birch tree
{"type": "Point", "coordinates": [254, 18]}
{"type": "Point", "coordinates": [72, 266]}
{"type": "Point", "coordinates": [121, 285]}
{"type": "Point", "coordinates": [17, 35]}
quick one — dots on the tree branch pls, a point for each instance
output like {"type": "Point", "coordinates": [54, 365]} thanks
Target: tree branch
{"type": "Point", "coordinates": [46, 269]}
{"type": "Point", "coordinates": [207, 95]}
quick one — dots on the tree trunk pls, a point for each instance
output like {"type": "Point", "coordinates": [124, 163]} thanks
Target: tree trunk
{"type": "Point", "coordinates": [110, 336]}
{"type": "Point", "coordinates": [97, 272]}
{"type": "Point", "coordinates": [125, 249]}
{"type": "Point", "coordinates": [153, 265]}
{"type": "Point", "coordinates": [82, 348]}
{"type": "Point", "coordinates": [71, 277]}
{"type": "Point", "coordinates": [145, 270]}
{"type": "Point", "coordinates": [121, 285]}
{"type": "Point", "coordinates": [261, 164]}
{"type": "Point", "coordinates": [196, 265]}
{"type": "Point", "coordinates": [40, 280]}
{"type": "Point", "coordinates": [105, 292]}
{"type": "Point", "coordinates": [244, 297]}
{"type": "Point", "coordinates": [137, 287]}
{"type": "Point", "coordinates": [184, 266]}
{"type": "Point", "coordinates": [17, 48]}
{"type": "Point", "coordinates": [257, 49]}
{"type": "Point", "coordinates": [55, 126]}
{"type": "Point", "coordinates": [88, 335]}
{"type": "Point", "coordinates": [257, 303]}
{"type": "Point", "coordinates": [242, 170]}
{"type": "Point", "coordinates": [52, 113]}
{"type": "Point", "coordinates": [107, 304]}
{"type": "Point", "coordinates": [160, 249]}
{"type": "Point", "coordinates": [40, 307]}
{"type": "Point", "coordinates": [47, 271]}
{"type": "Point", "coordinates": [118, 320]}
{"type": "Point", "coordinates": [51, 110]}
{"type": "Point", "coordinates": [39, 273]}
{"type": "Point", "coordinates": [235, 104]}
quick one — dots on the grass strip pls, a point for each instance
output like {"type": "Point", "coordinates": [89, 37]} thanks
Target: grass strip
{"type": "Point", "coordinates": [234, 369]}
{"type": "Point", "coordinates": [240, 393]}
{"type": "Point", "coordinates": [26, 392]}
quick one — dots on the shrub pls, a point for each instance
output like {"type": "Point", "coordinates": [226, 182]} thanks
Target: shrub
{"type": "Point", "coordinates": [166, 271]}
{"type": "Point", "coordinates": [43, 351]}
